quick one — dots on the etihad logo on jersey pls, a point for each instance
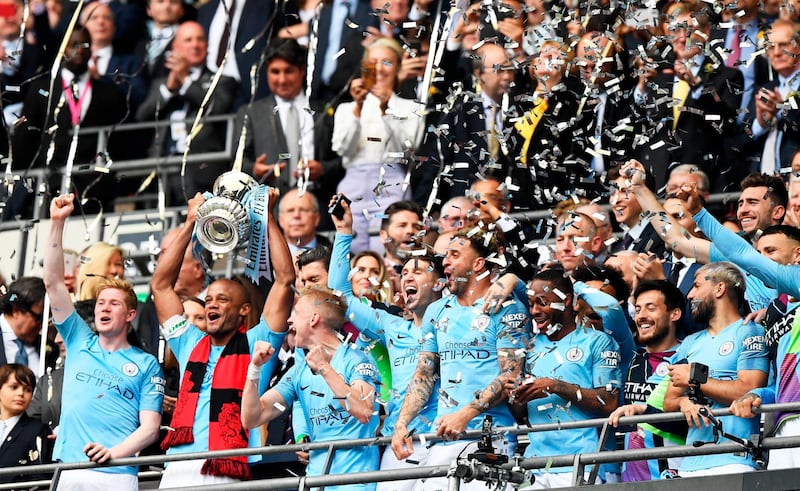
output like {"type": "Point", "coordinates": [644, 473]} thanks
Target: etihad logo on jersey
{"type": "Point", "coordinates": [106, 381]}
{"type": "Point", "coordinates": [329, 415]}
{"type": "Point", "coordinates": [410, 357]}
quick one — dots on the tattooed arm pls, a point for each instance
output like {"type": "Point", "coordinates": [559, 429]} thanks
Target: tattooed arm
{"type": "Point", "coordinates": [453, 425]}
{"type": "Point", "coordinates": [418, 394]}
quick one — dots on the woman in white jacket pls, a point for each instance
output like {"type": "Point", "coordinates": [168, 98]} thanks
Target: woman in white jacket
{"type": "Point", "coordinates": [376, 134]}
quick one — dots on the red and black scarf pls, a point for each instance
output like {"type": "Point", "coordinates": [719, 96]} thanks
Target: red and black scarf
{"type": "Point", "coordinates": [225, 429]}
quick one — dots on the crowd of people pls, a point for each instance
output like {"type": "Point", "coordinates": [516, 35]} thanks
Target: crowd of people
{"type": "Point", "coordinates": [432, 306]}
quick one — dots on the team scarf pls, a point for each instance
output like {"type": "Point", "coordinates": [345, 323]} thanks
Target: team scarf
{"type": "Point", "coordinates": [225, 429]}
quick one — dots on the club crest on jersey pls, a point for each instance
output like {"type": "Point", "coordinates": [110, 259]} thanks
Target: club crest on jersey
{"type": "Point", "coordinates": [574, 354]}
{"type": "Point", "coordinates": [130, 369]}
{"type": "Point", "coordinates": [726, 348]}
{"type": "Point", "coordinates": [662, 369]}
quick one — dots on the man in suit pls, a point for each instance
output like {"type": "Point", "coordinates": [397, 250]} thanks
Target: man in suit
{"type": "Point", "coordinates": [125, 71]}
{"type": "Point", "coordinates": [775, 135]}
{"type": "Point", "coordinates": [606, 132]}
{"type": "Point", "coordinates": [76, 99]}
{"type": "Point", "coordinates": [339, 48]}
{"type": "Point", "coordinates": [640, 236]}
{"type": "Point", "coordinates": [166, 15]}
{"type": "Point", "coordinates": [178, 98]}
{"type": "Point", "coordinates": [694, 123]}
{"type": "Point", "coordinates": [21, 322]}
{"type": "Point", "coordinates": [248, 25]}
{"type": "Point", "coordinates": [23, 440]}
{"type": "Point", "coordinates": [283, 139]}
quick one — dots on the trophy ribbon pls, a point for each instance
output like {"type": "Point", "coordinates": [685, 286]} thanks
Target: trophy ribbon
{"type": "Point", "coordinates": [256, 202]}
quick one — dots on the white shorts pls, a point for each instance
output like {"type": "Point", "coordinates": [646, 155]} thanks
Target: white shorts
{"type": "Point", "coordinates": [718, 471]}
{"type": "Point", "coordinates": [184, 473]}
{"type": "Point", "coordinates": [786, 458]}
{"type": "Point", "coordinates": [550, 480]}
{"type": "Point", "coordinates": [92, 480]}
{"type": "Point", "coordinates": [388, 462]}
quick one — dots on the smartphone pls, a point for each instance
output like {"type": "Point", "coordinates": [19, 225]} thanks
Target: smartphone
{"type": "Point", "coordinates": [369, 74]}
{"type": "Point", "coordinates": [336, 209]}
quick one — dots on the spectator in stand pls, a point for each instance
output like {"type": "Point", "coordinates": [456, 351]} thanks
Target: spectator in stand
{"type": "Point", "coordinates": [299, 217]}
{"type": "Point", "coordinates": [639, 236]}
{"type": "Point", "coordinates": [688, 174]}
{"type": "Point", "coordinates": [775, 132]}
{"type": "Point", "coordinates": [577, 241]}
{"type": "Point", "coordinates": [119, 416]}
{"type": "Point", "coordinates": [165, 17]}
{"type": "Point", "coordinates": [178, 98]}
{"type": "Point", "coordinates": [46, 403]}
{"type": "Point", "coordinates": [126, 72]}
{"type": "Point", "coordinates": [84, 101]}
{"type": "Point", "coordinates": [373, 135]}
{"type": "Point", "coordinates": [206, 411]}
{"type": "Point", "coordinates": [21, 57]}
{"type": "Point", "coordinates": [401, 232]}
{"type": "Point", "coordinates": [456, 213]}
{"type": "Point", "coordinates": [283, 140]}
{"type": "Point", "coordinates": [708, 92]}
{"type": "Point", "coordinates": [23, 440]}
{"type": "Point", "coordinates": [98, 262]}
{"type": "Point", "coordinates": [21, 322]}
{"type": "Point", "coordinates": [239, 30]}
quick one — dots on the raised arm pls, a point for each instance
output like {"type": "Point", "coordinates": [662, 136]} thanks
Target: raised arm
{"type": "Point", "coordinates": [675, 237]}
{"type": "Point", "coordinates": [281, 297]}
{"type": "Point", "coordinates": [259, 410]}
{"type": "Point", "coordinates": [166, 301]}
{"type": "Point", "coordinates": [60, 208]}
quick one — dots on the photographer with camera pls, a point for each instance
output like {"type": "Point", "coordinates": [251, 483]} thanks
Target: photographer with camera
{"type": "Point", "coordinates": [736, 356]}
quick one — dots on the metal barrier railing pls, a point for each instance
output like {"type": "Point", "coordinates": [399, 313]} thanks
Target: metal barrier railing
{"type": "Point", "coordinates": [578, 461]}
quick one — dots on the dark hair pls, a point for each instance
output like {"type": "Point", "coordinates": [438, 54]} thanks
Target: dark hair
{"type": "Point", "coordinates": [612, 276]}
{"type": "Point", "coordinates": [792, 233]}
{"type": "Point", "coordinates": [481, 241]}
{"type": "Point", "coordinates": [434, 261]}
{"type": "Point", "coordinates": [556, 277]}
{"type": "Point", "coordinates": [23, 374]}
{"type": "Point", "coordinates": [397, 207]}
{"type": "Point", "coordinates": [776, 189]}
{"type": "Point", "coordinates": [319, 253]}
{"type": "Point", "coordinates": [288, 50]}
{"type": "Point", "coordinates": [22, 294]}
{"type": "Point", "coordinates": [673, 297]}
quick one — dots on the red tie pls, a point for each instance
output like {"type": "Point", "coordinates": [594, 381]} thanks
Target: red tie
{"type": "Point", "coordinates": [736, 48]}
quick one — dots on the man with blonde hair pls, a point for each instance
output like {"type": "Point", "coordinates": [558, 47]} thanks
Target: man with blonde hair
{"type": "Point", "coordinates": [334, 384]}
{"type": "Point", "coordinates": [121, 387]}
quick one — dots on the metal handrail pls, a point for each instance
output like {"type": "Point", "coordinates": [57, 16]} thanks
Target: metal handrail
{"type": "Point", "coordinates": [437, 471]}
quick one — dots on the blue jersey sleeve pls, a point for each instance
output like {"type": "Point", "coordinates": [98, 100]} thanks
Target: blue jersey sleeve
{"type": "Point", "coordinates": [287, 386]}
{"type": "Point", "coordinates": [361, 368]}
{"type": "Point", "coordinates": [614, 322]}
{"type": "Point", "coordinates": [754, 354]}
{"type": "Point", "coordinates": [340, 265]}
{"type": "Point", "coordinates": [74, 329]}
{"type": "Point", "coordinates": [429, 342]}
{"type": "Point", "coordinates": [606, 363]}
{"type": "Point", "coordinates": [511, 333]}
{"type": "Point", "coordinates": [262, 332]}
{"type": "Point", "coordinates": [785, 278]}
{"type": "Point", "coordinates": [152, 390]}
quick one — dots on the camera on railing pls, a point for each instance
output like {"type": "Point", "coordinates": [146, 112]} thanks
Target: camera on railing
{"type": "Point", "coordinates": [487, 466]}
{"type": "Point", "coordinates": [698, 375]}
{"type": "Point", "coordinates": [223, 221]}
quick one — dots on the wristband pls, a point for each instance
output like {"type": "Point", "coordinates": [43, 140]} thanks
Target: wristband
{"type": "Point", "coordinates": [253, 372]}
{"type": "Point", "coordinates": [578, 395]}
